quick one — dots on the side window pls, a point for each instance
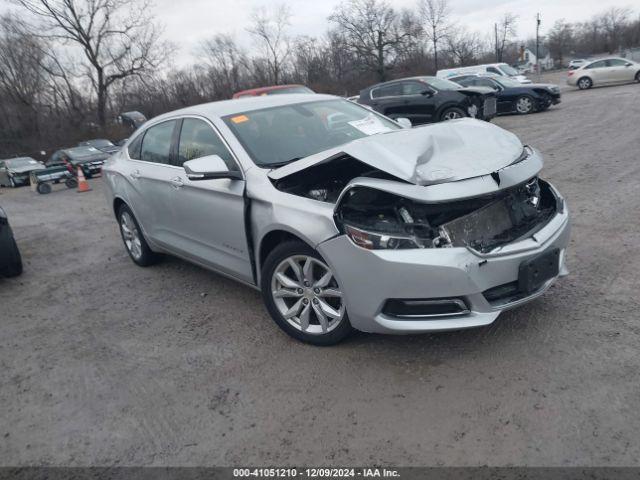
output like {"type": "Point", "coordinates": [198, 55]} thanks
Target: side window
{"type": "Point", "coordinates": [198, 139]}
{"type": "Point", "coordinates": [485, 82]}
{"type": "Point", "coordinates": [617, 62]}
{"type": "Point", "coordinates": [156, 144]}
{"type": "Point", "coordinates": [494, 70]}
{"type": "Point", "coordinates": [465, 81]}
{"type": "Point", "coordinates": [134, 147]}
{"type": "Point", "coordinates": [599, 64]}
{"type": "Point", "coordinates": [393, 90]}
{"type": "Point", "coordinates": [413, 88]}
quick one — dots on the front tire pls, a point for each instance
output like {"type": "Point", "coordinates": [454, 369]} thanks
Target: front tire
{"type": "Point", "coordinates": [452, 113]}
{"type": "Point", "coordinates": [134, 241]}
{"type": "Point", "coordinates": [585, 83]}
{"type": "Point", "coordinates": [43, 188]}
{"type": "Point", "coordinates": [524, 105]}
{"type": "Point", "coordinates": [638, 77]}
{"type": "Point", "coordinates": [302, 295]}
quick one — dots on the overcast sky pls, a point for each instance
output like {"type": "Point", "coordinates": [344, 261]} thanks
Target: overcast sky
{"type": "Point", "coordinates": [186, 22]}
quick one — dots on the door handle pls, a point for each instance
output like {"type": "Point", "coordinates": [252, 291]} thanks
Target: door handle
{"type": "Point", "coordinates": [177, 182]}
{"type": "Point", "coordinates": [135, 174]}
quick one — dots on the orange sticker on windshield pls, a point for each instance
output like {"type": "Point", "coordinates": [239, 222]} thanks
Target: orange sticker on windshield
{"type": "Point", "coordinates": [240, 119]}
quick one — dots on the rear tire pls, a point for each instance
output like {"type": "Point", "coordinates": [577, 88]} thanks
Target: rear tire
{"type": "Point", "coordinates": [13, 266]}
{"type": "Point", "coordinates": [638, 77]}
{"type": "Point", "coordinates": [299, 308]}
{"type": "Point", "coordinates": [133, 239]}
{"type": "Point", "coordinates": [585, 83]}
{"type": "Point", "coordinates": [43, 188]}
{"type": "Point", "coordinates": [71, 183]}
{"type": "Point", "coordinates": [452, 113]}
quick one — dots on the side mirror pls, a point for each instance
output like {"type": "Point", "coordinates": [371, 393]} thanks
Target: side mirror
{"type": "Point", "coordinates": [427, 93]}
{"type": "Point", "coordinates": [404, 122]}
{"type": "Point", "coordinates": [208, 168]}
{"type": "Point", "coordinates": [628, 64]}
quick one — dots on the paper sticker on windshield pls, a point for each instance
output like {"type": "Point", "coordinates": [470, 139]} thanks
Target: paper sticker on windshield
{"type": "Point", "coordinates": [240, 119]}
{"type": "Point", "coordinates": [370, 125]}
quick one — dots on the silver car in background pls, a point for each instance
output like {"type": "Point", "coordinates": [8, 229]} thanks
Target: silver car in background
{"type": "Point", "coordinates": [341, 217]}
{"type": "Point", "coordinates": [604, 71]}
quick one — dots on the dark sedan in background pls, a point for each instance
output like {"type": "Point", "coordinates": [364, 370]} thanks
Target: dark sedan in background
{"type": "Point", "coordinates": [89, 158]}
{"type": "Point", "coordinates": [429, 99]}
{"type": "Point", "coordinates": [101, 144]}
{"type": "Point", "coordinates": [514, 97]}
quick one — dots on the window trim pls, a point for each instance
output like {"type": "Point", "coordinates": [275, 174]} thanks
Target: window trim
{"type": "Point", "coordinates": [216, 132]}
{"type": "Point", "coordinates": [174, 143]}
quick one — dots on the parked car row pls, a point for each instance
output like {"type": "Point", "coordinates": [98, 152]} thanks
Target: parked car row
{"type": "Point", "coordinates": [89, 155]}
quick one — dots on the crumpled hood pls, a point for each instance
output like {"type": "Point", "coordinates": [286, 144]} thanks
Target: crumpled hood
{"type": "Point", "coordinates": [26, 168]}
{"type": "Point", "coordinates": [438, 153]}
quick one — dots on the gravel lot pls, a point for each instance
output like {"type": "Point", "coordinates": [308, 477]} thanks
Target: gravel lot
{"type": "Point", "coordinates": [106, 363]}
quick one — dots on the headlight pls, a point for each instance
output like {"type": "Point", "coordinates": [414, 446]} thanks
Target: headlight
{"type": "Point", "coordinates": [378, 241]}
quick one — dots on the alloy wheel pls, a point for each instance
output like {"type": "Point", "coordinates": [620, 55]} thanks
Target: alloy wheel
{"type": "Point", "coordinates": [131, 235]}
{"type": "Point", "coordinates": [584, 83]}
{"type": "Point", "coordinates": [307, 295]}
{"type": "Point", "coordinates": [452, 115]}
{"type": "Point", "coordinates": [524, 105]}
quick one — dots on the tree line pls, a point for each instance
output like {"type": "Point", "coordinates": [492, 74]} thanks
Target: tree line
{"type": "Point", "coordinates": [68, 67]}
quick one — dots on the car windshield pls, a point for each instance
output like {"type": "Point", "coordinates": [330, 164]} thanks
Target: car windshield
{"type": "Point", "coordinates": [20, 162]}
{"type": "Point", "coordinates": [441, 84]}
{"type": "Point", "coordinates": [507, 82]}
{"type": "Point", "coordinates": [279, 91]}
{"type": "Point", "coordinates": [81, 152]}
{"type": "Point", "coordinates": [276, 136]}
{"type": "Point", "coordinates": [99, 143]}
{"type": "Point", "coordinates": [508, 70]}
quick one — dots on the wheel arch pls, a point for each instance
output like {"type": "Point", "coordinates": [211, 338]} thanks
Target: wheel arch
{"type": "Point", "coordinates": [272, 239]}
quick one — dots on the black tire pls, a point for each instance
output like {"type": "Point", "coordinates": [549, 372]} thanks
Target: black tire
{"type": "Point", "coordinates": [147, 256]}
{"type": "Point", "coordinates": [451, 113]}
{"type": "Point", "coordinates": [11, 260]}
{"type": "Point", "coordinates": [638, 77]}
{"type": "Point", "coordinates": [283, 251]}
{"type": "Point", "coordinates": [43, 188]}
{"type": "Point", "coordinates": [71, 183]}
{"type": "Point", "coordinates": [584, 83]}
{"type": "Point", "coordinates": [530, 105]}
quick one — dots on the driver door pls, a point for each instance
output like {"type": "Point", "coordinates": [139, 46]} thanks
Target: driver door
{"type": "Point", "coordinates": [208, 219]}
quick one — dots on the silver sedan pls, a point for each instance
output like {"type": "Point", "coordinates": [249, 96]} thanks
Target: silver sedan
{"type": "Point", "coordinates": [604, 71]}
{"type": "Point", "coordinates": [341, 217]}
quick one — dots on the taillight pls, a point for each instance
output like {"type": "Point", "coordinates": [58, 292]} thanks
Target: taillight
{"type": "Point", "coordinates": [571, 72]}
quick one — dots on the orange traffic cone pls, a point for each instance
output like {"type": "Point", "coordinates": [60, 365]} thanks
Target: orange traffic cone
{"type": "Point", "coordinates": [83, 185]}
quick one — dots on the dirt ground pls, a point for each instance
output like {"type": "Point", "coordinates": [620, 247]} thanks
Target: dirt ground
{"type": "Point", "coordinates": [106, 363]}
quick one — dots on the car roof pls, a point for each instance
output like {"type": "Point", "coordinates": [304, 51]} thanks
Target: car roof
{"type": "Point", "coordinates": [246, 104]}
{"type": "Point", "coordinates": [404, 79]}
{"type": "Point", "coordinates": [259, 90]}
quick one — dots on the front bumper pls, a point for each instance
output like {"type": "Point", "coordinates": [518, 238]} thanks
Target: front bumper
{"type": "Point", "coordinates": [369, 278]}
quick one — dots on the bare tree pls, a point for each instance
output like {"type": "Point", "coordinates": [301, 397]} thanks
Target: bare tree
{"type": "Point", "coordinates": [505, 32]}
{"type": "Point", "coordinates": [560, 39]}
{"type": "Point", "coordinates": [117, 37]}
{"type": "Point", "coordinates": [372, 30]}
{"type": "Point", "coordinates": [227, 63]}
{"type": "Point", "coordinates": [613, 22]}
{"type": "Point", "coordinates": [463, 46]}
{"type": "Point", "coordinates": [435, 15]}
{"type": "Point", "coordinates": [269, 27]}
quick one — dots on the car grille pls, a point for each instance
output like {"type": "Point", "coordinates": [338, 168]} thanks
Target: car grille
{"type": "Point", "coordinates": [489, 106]}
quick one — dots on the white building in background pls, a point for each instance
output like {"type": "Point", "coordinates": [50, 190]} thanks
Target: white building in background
{"type": "Point", "coordinates": [528, 59]}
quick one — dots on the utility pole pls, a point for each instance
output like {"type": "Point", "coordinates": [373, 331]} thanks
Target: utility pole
{"type": "Point", "coordinates": [496, 32]}
{"type": "Point", "coordinates": [538, 22]}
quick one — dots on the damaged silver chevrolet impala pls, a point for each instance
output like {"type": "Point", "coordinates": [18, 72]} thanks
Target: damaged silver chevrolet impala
{"type": "Point", "coordinates": [342, 218]}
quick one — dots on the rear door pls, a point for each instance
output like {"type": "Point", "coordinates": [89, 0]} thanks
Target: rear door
{"type": "Point", "coordinates": [149, 181]}
{"type": "Point", "coordinates": [387, 99]}
{"type": "Point", "coordinates": [598, 71]}
{"type": "Point", "coordinates": [209, 215]}
{"type": "Point", "coordinates": [418, 103]}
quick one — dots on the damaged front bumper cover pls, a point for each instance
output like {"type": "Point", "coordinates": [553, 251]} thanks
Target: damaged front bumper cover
{"type": "Point", "coordinates": [482, 284]}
